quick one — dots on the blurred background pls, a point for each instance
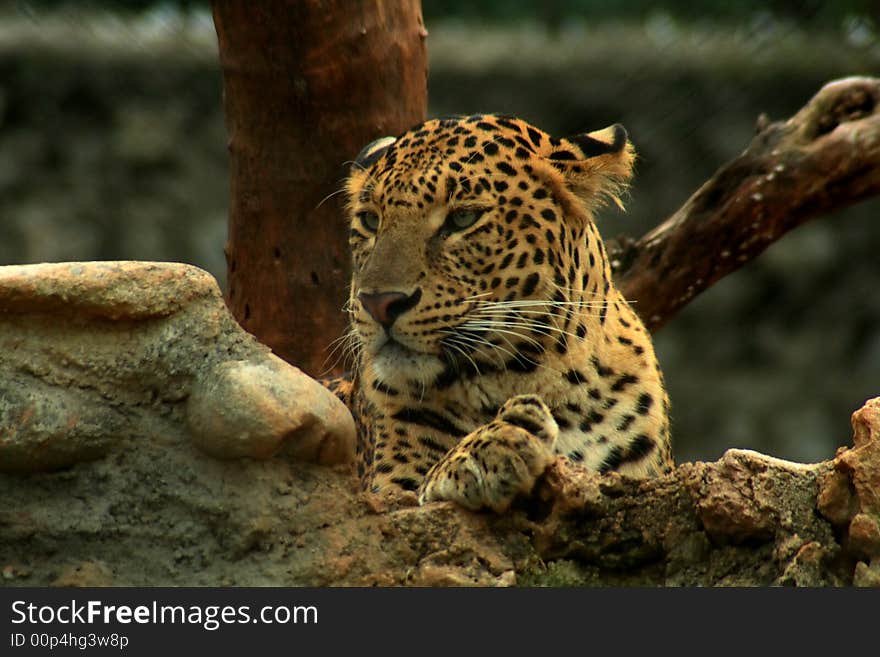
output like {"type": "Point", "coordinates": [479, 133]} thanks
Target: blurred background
{"type": "Point", "coordinates": [112, 146]}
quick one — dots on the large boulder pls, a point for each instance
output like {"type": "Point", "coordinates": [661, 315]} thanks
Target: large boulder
{"type": "Point", "coordinates": [98, 357]}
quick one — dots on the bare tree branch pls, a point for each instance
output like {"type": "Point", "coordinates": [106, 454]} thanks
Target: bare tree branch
{"type": "Point", "coordinates": [824, 158]}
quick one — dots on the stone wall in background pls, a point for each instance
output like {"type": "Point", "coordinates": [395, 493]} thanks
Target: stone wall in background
{"type": "Point", "coordinates": [119, 153]}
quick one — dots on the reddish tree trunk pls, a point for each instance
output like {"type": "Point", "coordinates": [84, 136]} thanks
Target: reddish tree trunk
{"type": "Point", "coordinates": [307, 83]}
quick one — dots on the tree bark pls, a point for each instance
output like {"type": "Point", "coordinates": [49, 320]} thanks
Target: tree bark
{"type": "Point", "coordinates": [824, 158]}
{"type": "Point", "coordinates": [307, 83]}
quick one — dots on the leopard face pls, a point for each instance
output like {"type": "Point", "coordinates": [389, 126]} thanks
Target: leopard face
{"type": "Point", "coordinates": [469, 224]}
{"type": "Point", "coordinates": [479, 275]}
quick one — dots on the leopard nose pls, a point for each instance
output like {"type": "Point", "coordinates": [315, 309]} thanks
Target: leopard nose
{"type": "Point", "coordinates": [386, 307]}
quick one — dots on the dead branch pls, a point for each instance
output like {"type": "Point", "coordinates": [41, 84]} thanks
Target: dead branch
{"type": "Point", "coordinates": [824, 158]}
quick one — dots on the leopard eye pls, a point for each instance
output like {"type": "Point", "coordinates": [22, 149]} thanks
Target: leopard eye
{"type": "Point", "coordinates": [461, 219]}
{"type": "Point", "coordinates": [369, 220]}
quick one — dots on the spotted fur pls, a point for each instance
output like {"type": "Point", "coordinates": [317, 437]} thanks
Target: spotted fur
{"type": "Point", "coordinates": [488, 334]}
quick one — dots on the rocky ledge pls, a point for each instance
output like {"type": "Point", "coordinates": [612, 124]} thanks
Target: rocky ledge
{"type": "Point", "coordinates": [146, 439]}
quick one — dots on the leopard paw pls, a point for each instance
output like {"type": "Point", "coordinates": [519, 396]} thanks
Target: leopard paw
{"type": "Point", "coordinates": [499, 461]}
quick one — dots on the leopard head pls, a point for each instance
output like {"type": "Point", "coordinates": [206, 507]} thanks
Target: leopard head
{"type": "Point", "coordinates": [465, 232]}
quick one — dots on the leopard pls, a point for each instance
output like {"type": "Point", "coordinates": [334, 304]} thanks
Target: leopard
{"type": "Point", "coordinates": [489, 338]}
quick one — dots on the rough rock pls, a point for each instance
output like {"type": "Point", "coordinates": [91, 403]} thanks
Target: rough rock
{"type": "Point", "coordinates": [111, 475]}
{"type": "Point", "coordinates": [163, 513]}
{"type": "Point", "coordinates": [850, 494]}
{"type": "Point", "coordinates": [99, 357]}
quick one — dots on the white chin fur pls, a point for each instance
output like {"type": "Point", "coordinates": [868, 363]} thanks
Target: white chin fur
{"type": "Point", "coordinates": [395, 364]}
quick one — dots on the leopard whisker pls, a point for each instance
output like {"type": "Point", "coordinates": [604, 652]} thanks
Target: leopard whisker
{"type": "Point", "coordinates": [572, 290]}
{"type": "Point", "coordinates": [461, 350]}
{"type": "Point", "coordinates": [515, 314]}
{"type": "Point", "coordinates": [547, 329]}
{"type": "Point", "coordinates": [477, 296]}
{"type": "Point", "coordinates": [523, 357]}
{"type": "Point", "coordinates": [504, 329]}
{"type": "Point", "coordinates": [529, 303]}
{"type": "Point", "coordinates": [348, 306]}
{"type": "Point", "coordinates": [344, 348]}
{"type": "Point", "coordinates": [494, 351]}
{"type": "Point", "coordinates": [370, 177]}
{"type": "Point", "coordinates": [329, 196]}
{"type": "Point", "coordinates": [477, 342]}
{"type": "Point", "coordinates": [499, 327]}
{"type": "Point", "coordinates": [516, 355]}
{"type": "Point", "coordinates": [538, 302]}
{"type": "Point", "coordinates": [507, 313]}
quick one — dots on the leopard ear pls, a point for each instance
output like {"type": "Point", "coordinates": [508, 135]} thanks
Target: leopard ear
{"type": "Point", "coordinates": [370, 153]}
{"type": "Point", "coordinates": [596, 165]}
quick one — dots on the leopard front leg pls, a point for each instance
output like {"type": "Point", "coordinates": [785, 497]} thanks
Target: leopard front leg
{"type": "Point", "coordinates": [498, 461]}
